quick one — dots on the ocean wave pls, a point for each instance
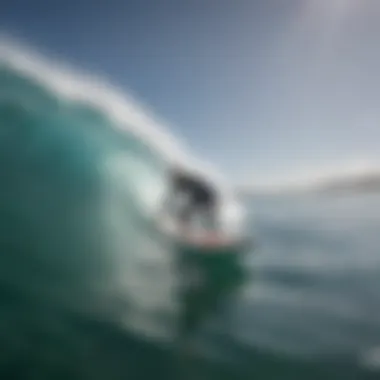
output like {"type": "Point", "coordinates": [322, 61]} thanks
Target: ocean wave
{"type": "Point", "coordinates": [75, 123]}
{"type": "Point", "coordinates": [95, 146]}
{"type": "Point", "coordinates": [121, 109]}
{"type": "Point", "coordinates": [122, 112]}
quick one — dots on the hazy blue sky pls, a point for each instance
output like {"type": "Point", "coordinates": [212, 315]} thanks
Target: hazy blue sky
{"type": "Point", "coordinates": [265, 89]}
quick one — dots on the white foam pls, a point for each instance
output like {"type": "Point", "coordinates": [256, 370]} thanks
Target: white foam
{"type": "Point", "coordinates": [121, 109]}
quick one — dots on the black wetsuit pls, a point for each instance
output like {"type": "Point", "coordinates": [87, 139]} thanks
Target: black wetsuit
{"type": "Point", "coordinates": [202, 197]}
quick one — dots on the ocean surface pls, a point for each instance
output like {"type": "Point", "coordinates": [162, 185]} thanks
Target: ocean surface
{"type": "Point", "coordinates": [89, 287]}
{"type": "Point", "coordinates": [314, 294]}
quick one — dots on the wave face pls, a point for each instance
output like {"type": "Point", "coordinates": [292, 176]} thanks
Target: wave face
{"type": "Point", "coordinates": [78, 191]}
{"type": "Point", "coordinates": [106, 175]}
{"type": "Point", "coordinates": [83, 269]}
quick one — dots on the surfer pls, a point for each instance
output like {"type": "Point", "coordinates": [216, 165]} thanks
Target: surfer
{"type": "Point", "coordinates": [200, 200]}
{"type": "Point", "coordinates": [209, 266]}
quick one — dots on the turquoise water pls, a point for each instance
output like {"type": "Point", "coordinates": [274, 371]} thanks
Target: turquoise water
{"type": "Point", "coordinates": [89, 287]}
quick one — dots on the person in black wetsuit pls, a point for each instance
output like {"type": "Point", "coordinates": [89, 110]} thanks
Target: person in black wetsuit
{"type": "Point", "coordinates": [201, 198]}
{"type": "Point", "coordinates": [208, 280]}
{"type": "Point", "coordinates": [200, 201]}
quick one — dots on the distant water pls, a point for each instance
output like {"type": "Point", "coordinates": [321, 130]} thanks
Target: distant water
{"type": "Point", "coordinates": [88, 288]}
{"type": "Point", "coordinates": [312, 309]}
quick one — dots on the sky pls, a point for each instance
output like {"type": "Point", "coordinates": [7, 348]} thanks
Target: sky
{"type": "Point", "coordinates": [270, 91]}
